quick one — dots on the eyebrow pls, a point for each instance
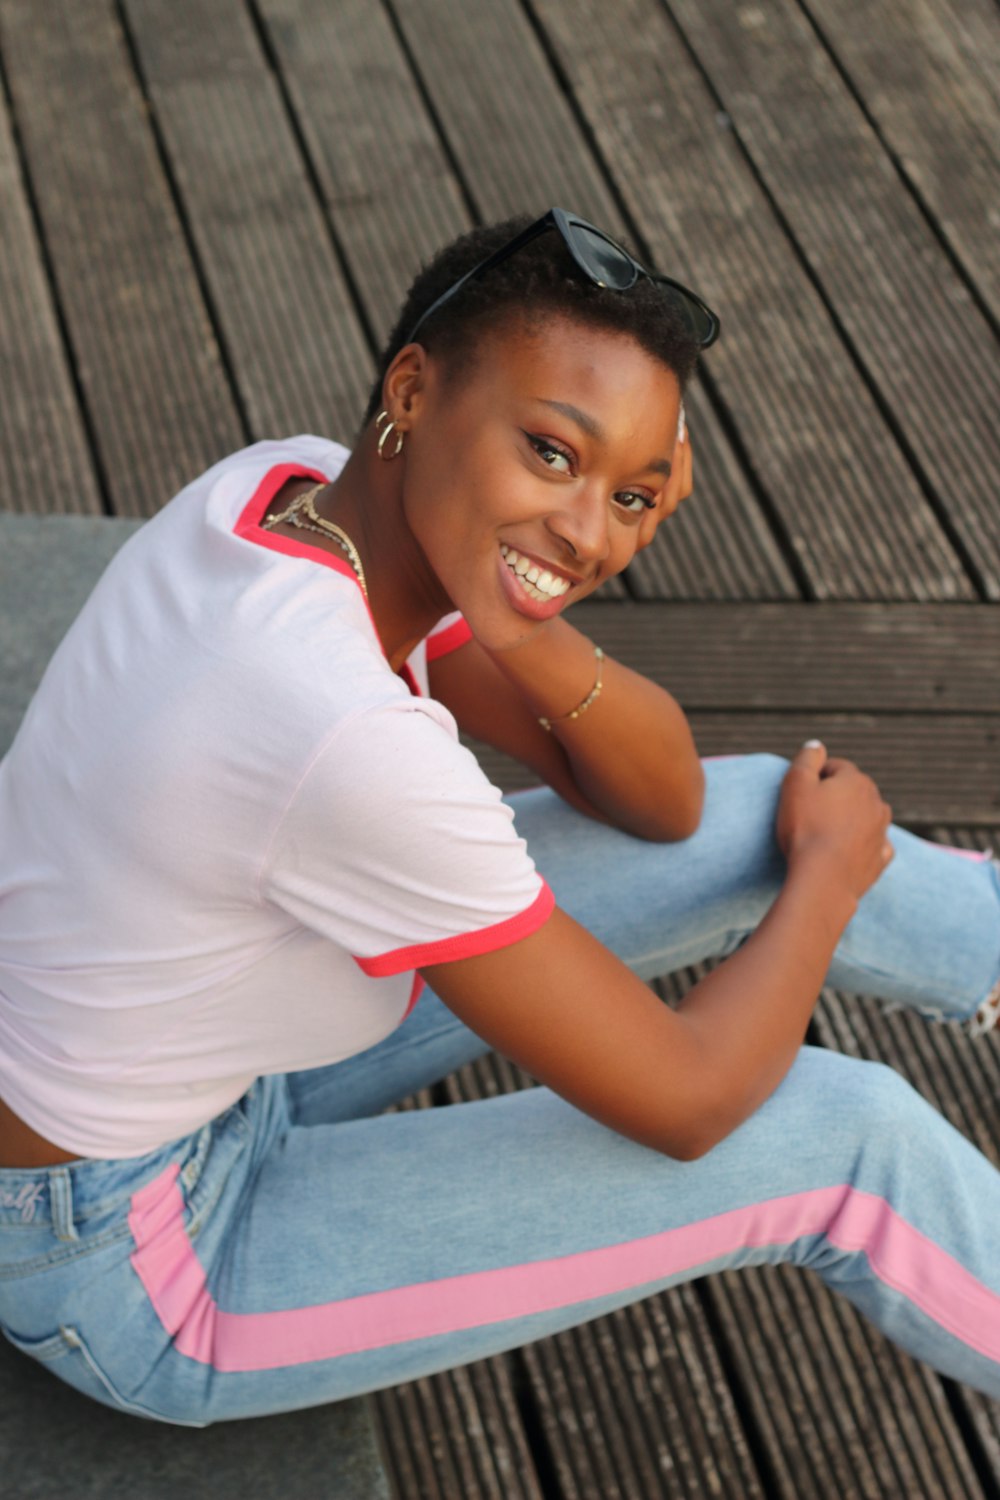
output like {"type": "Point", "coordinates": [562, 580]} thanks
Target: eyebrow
{"type": "Point", "coordinates": [593, 429]}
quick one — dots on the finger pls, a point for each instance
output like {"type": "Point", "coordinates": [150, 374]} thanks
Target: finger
{"type": "Point", "coordinates": [687, 470]}
{"type": "Point", "coordinates": [811, 757]}
{"type": "Point", "coordinates": [836, 765]}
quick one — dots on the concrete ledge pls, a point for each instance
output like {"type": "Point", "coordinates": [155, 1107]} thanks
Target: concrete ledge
{"type": "Point", "coordinates": [48, 566]}
{"type": "Point", "coordinates": [59, 1445]}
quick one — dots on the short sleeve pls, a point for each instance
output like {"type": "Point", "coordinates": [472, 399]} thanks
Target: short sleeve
{"type": "Point", "coordinates": [396, 846]}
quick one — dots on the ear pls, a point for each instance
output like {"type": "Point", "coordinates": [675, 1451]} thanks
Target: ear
{"type": "Point", "coordinates": [405, 384]}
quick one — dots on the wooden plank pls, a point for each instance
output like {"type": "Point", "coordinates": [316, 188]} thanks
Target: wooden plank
{"type": "Point", "coordinates": [928, 768]}
{"type": "Point", "coordinates": [510, 126]}
{"type": "Point", "coordinates": [973, 24]}
{"type": "Point", "coordinates": [851, 506]}
{"type": "Point", "coordinates": [142, 343]}
{"type": "Point", "coordinates": [48, 466]}
{"type": "Point", "coordinates": [840, 1410]}
{"type": "Point", "coordinates": [386, 180]}
{"type": "Point", "coordinates": [719, 544]}
{"type": "Point", "coordinates": [298, 353]}
{"type": "Point", "coordinates": [920, 339]}
{"type": "Point", "coordinates": [849, 658]}
{"type": "Point", "coordinates": [520, 147]}
{"type": "Point", "coordinates": [635, 1403]}
{"type": "Point", "coordinates": [936, 113]}
{"type": "Point", "coordinates": [458, 1435]}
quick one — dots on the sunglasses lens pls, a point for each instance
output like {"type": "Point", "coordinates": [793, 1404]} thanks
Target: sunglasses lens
{"type": "Point", "coordinates": [611, 265]}
{"type": "Point", "coordinates": [700, 322]}
{"type": "Point", "coordinates": [603, 260]}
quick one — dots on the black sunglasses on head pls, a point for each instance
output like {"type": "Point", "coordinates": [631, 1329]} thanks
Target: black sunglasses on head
{"type": "Point", "coordinates": [601, 260]}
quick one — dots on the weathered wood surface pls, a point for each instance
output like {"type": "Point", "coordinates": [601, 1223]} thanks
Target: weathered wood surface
{"type": "Point", "coordinates": [850, 505]}
{"type": "Point", "coordinates": [141, 340]}
{"type": "Point", "coordinates": [927, 74]}
{"type": "Point", "coordinates": [210, 214]}
{"type": "Point", "coordinates": [295, 345]}
{"type": "Point", "coordinates": [42, 429]}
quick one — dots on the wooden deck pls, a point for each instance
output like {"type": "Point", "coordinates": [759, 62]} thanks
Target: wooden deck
{"type": "Point", "coordinates": [210, 211]}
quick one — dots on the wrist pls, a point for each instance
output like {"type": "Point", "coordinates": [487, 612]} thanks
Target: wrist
{"type": "Point", "coordinates": [819, 877]}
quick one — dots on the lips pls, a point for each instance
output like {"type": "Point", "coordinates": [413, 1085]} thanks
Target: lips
{"type": "Point", "coordinates": [527, 598]}
{"type": "Point", "coordinates": [538, 582]}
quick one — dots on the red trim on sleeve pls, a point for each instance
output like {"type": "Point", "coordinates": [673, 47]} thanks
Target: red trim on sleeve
{"type": "Point", "coordinates": [419, 985]}
{"type": "Point", "coordinates": [405, 674]}
{"type": "Point", "coordinates": [466, 945]}
{"type": "Point", "coordinates": [448, 640]}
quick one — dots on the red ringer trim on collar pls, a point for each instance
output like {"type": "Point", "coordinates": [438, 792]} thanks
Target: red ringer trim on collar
{"type": "Point", "coordinates": [448, 640]}
{"type": "Point", "coordinates": [249, 524]}
{"type": "Point", "coordinates": [466, 945]}
{"type": "Point", "coordinates": [250, 529]}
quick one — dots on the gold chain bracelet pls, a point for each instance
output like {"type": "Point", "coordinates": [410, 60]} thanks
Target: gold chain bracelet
{"type": "Point", "coordinates": [581, 708]}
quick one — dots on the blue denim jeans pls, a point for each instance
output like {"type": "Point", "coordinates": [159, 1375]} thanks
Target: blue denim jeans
{"type": "Point", "coordinates": [304, 1247]}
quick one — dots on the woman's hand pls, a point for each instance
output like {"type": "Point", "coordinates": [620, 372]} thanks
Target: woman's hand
{"type": "Point", "coordinates": [831, 811]}
{"type": "Point", "coordinates": [681, 481]}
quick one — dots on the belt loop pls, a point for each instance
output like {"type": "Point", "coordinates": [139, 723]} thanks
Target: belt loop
{"type": "Point", "coordinates": [61, 1203]}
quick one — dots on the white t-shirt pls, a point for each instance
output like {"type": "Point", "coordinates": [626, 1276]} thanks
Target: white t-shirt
{"type": "Point", "coordinates": [229, 833]}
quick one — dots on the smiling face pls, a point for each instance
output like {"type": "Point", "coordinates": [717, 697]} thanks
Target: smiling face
{"type": "Point", "coordinates": [537, 475]}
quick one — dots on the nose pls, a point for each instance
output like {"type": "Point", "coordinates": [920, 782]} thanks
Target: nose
{"type": "Point", "coordinates": [581, 525]}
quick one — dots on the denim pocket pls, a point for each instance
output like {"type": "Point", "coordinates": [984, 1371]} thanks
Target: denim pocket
{"type": "Point", "coordinates": [68, 1355]}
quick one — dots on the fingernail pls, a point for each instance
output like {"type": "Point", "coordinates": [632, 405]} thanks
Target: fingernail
{"type": "Point", "coordinates": [681, 425]}
{"type": "Point", "coordinates": [813, 745]}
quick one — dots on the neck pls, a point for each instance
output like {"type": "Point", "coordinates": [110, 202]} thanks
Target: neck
{"type": "Point", "coordinates": [405, 599]}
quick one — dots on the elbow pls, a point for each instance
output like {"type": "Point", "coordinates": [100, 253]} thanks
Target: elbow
{"type": "Point", "coordinates": [680, 816]}
{"type": "Point", "coordinates": [712, 1112]}
{"type": "Point", "coordinates": [687, 1145]}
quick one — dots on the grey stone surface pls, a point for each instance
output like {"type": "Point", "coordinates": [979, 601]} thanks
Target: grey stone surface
{"type": "Point", "coordinates": [54, 1443]}
{"type": "Point", "coordinates": [58, 1445]}
{"type": "Point", "coordinates": [48, 566]}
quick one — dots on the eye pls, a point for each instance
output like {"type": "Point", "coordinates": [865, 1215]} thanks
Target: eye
{"type": "Point", "coordinates": [634, 501]}
{"type": "Point", "coordinates": [554, 457]}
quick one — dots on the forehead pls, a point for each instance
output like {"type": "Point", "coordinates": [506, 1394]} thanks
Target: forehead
{"type": "Point", "coordinates": [608, 375]}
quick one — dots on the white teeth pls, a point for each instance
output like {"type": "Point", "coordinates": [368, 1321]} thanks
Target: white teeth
{"type": "Point", "coordinates": [540, 583]}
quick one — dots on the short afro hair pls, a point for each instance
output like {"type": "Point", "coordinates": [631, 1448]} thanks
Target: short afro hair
{"type": "Point", "coordinates": [538, 280]}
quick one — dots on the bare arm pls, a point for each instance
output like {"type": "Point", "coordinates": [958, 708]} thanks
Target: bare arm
{"type": "Point", "coordinates": [629, 760]}
{"type": "Point", "coordinates": [567, 1010]}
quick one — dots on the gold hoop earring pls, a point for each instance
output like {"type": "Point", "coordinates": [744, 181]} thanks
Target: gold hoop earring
{"type": "Point", "coordinates": [383, 416]}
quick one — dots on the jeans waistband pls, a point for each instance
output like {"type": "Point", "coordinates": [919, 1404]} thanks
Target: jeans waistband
{"type": "Point", "coordinates": [66, 1195]}
{"type": "Point", "coordinates": [70, 1194]}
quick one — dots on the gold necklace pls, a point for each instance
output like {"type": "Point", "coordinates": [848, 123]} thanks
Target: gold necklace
{"type": "Point", "coordinates": [291, 517]}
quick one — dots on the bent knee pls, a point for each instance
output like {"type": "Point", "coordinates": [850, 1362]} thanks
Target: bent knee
{"type": "Point", "coordinates": [871, 1100]}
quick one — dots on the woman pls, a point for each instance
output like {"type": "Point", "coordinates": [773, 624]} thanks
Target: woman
{"type": "Point", "coordinates": [238, 835]}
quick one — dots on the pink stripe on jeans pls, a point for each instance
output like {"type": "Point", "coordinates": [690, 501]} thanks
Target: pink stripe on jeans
{"type": "Point", "coordinates": [900, 1255]}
